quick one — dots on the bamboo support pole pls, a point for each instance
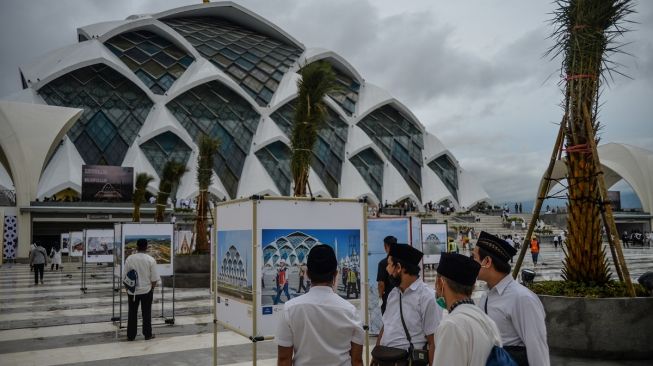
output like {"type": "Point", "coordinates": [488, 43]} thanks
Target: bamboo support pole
{"type": "Point", "coordinates": [214, 294]}
{"type": "Point", "coordinates": [366, 284]}
{"type": "Point", "coordinates": [254, 282]}
{"type": "Point", "coordinates": [545, 184]}
{"type": "Point", "coordinates": [610, 225]}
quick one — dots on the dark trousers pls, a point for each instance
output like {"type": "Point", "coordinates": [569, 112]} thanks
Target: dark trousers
{"type": "Point", "coordinates": [38, 271]}
{"type": "Point", "coordinates": [145, 301]}
{"type": "Point", "coordinates": [518, 354]}
{"type": "Point", "coordinates": [52, 267]}
{"type": "Point", "coordinates": [301, 285]}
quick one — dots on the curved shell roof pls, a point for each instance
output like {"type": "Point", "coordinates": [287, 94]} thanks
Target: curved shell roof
{"type": "Point", "coordinates": [151, 84]}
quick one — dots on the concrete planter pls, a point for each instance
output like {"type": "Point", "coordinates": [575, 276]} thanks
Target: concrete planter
{"type": "Point", "coordinates": [613, 328]}
{"type": "Point", "coordinates": [191, 271]}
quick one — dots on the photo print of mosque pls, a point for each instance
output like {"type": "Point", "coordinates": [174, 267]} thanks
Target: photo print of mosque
{"type": "Point", "coordinates": [235, 263]}
{"type": "Point", "coordinates": [285, 251]}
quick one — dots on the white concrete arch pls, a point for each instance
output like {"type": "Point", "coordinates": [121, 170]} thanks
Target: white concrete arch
{"type": "Point", "coordinates": [161, 120]}
{"type": "Point", "coordinates": [255, 180]}
{"type": "Point", "coordinates": [397, 105]}
{"type": "Point", "coordinates": [337, 61]}
{"type": "Point", "coordinates": [63, 171]}
{"type": "Point", "coordinates": [353, 185]}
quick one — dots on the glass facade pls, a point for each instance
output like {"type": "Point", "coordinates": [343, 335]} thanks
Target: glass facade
{"type": "Point", "coordinates": [154, 59]}
{"type": "Point", "coordinates": [164, 148]}
{"type": "Point", "coordinates": [329, 150]}
{"type": "Point", "coordinates": [400, 140]}
{"type": "Point", "coordinates": [255, 61]}
{"type": "Point", "coordinates": [114, 111]}
{"type": "Point", "coordinates": [217, 111]}
{"type": "Point", "coordinates": [370, 166]}
{"type": "Point", "coordinates": [275, 158]}
{"type": "Point", "coordinates": [444, 168]}
{"type": "Point", "coordinates": [347, 97]}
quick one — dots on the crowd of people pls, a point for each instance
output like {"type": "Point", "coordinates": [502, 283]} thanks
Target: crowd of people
{"type": "Point", "coordinates": [423, 323]}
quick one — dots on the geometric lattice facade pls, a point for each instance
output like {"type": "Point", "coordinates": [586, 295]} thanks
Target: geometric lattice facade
{"type": "Point", "coordinates": [292, 249]}
{"type": "Point", "coordinates": [254, 61]}
{"type": "Point", "coordinates": [400, 140]}
{"type": "Point", "coordinates": [114, 111]}
{"type": "Point", "coordinates": [152, 85]}
{"type": "Point", "coordinates": [233, 269]}
{"type": "Point", "coordinates": [154, 59]}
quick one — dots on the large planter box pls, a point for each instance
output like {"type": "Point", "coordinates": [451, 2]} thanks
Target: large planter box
{"type": "Point", "coordinates": [614, 328]}
{"type": "Point", "coordinates": [191, 271]}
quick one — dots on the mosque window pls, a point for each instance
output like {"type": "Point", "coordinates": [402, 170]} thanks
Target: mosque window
{"type": "Point", "coordinates": [114, 111]}
{"type": "Point", "coordinates": [154, 59]}
{"type": "Point", "coordinates": [217, 111]}
{"type": "Point", "coordinates": [400, 140]}
{"type": "Point", "coordinates": [255, 61]}
{"type": "Point", "coordinates": [347, 96]}
{"type": "Point", "coordinates": [275, 158]}
{"type": "Point", "coordinates": [445, 168]}
{"type": "Point", "coordinates": [164, 148]}
{"type": "Point", "coordinates": [370, 167]}
{"type": "Point", "coordinates": [329, 149]}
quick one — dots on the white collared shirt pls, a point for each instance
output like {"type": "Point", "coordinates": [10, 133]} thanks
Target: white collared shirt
{"type": "Point", "coordinates": [519, 315]}
{"type": "Point", "coordinates": [320, 326]}
{"type": "Point", "coordinates": [421, 314]}
{"type": "Point", "coordinates": [465, 337]}
{"type": "Point", "coordinates": [145, 266]}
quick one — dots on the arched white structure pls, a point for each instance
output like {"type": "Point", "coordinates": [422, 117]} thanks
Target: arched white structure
{"type": "Point", "coordinates": [165, 79]}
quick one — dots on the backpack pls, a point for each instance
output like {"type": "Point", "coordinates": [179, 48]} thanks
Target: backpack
{"type": "Point", "coordinates": [499, 357]}
{"type": "Point", "coordinates": [131, 281]}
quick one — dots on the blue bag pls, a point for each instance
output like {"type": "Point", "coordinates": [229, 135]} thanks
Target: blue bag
{"type": "Point", "coordinates": [499, 357]}
{"type": "Point", "coordinates": [131, 281]}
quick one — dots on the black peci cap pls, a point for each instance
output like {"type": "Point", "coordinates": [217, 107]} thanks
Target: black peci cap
{"type": "Point", "coordinates": [406, 253]}
{"type": "Point", "coordinates": [322, 260]}
{"type": "Point", "coordinates": [498, 248]}
{"type": "Point", "coordinates": [458, 268]}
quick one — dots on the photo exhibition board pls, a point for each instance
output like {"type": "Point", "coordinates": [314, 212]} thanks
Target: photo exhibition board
{"type": "Point", "coordinates": [286, 231]}
{"type": "Point", "coordinates": [63, 242]}
{"type": "Point", "coordinates": [99, 245]}
{"type": "Point", "coordinates": [76, 244]}
{"type": "Point", "coordinates": [159, 244]}
{"type": "Point", "coordinates": [434, 242]}
{"type": "Point", "coordinates": [377, 230]}
{"type": "Point", "coordinates": [184, 242]}
{"type": "Point", "coordinates": [117, 258]}
{"type": "Point", "coordinates": [234, 270]}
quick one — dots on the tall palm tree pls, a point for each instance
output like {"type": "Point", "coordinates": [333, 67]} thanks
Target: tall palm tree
{"type": "Point", "coordinates": [208, 147]}
{"type": "Point", "coordinates": [585, 36]}
{"type": "Point", "coordinates": [142, 180]}
{"type": "Point", "coordinates": [172, 173]}
{"type": "Point", "coordinates": [317, 80]}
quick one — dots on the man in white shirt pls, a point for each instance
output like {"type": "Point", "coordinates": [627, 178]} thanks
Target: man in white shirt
{"type": "Point", "coordinates": [320, 327]}
{"type": "Point", "coordinates": [516, 310]}
{"type": "Point", "coordinates": [467, 335]}
{"type": "Point", "coordinates": [145, 266]}
{"type": "Point", "coordinates": [421, 314]}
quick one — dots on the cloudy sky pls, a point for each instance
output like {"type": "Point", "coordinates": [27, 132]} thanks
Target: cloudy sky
{"type": "Point", "coordinates": [473, 72]}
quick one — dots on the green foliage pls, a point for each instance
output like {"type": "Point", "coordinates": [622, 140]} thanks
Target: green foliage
{"type": "Point", "coordinates": [208, 147]}
{"type": "Point", "coordinates": [318, 79]}
{"type": "Point", "coordinates": [591, 290]}
{"type": "Point", "coordinates": [142, 180]}
{"type": "Point", "coordinates": [172, 173]}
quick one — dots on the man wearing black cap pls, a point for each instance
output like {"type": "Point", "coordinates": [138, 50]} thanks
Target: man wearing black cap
{"type": "Point", "coordinates": [320, 327]}
{"type": "Point", "coordinates": [516, 310]}
{"type": "Point", "coordinates": [420, 313]}
{"type": "Point", "coordinates": [383, 282]}
{"type": "Point", "coordinates": [145, 267]}
{"type": "Point", "coordinates": [465, 337]}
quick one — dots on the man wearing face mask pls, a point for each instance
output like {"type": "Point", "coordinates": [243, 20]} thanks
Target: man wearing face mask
{"type": "Point", "coordinates": [320, 327]}
{"type": "Point", "coordinates": [420, 312]}
{"type": "Point", "coordinates": [516, 310]}
{"type": "Point", "coordinates": [465, 337]}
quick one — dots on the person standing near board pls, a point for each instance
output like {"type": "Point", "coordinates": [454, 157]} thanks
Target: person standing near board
{"type": "Point", "coordinates": [146, 280]}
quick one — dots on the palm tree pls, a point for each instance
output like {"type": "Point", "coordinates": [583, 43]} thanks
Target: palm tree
{"type": "Point", "coordinates": [585, 34]}
{"type": "Point", "coordinates": [172, 173]}
{"type": "Point", "coordinates": [142, 180]}
{"type": "Point", "coordinates": [208, 147]}
{"type": "Point", "coordinates": [317, 80]}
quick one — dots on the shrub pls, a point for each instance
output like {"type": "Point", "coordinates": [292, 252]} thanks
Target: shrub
{"type": "Point", "coordinates": [577, 289]}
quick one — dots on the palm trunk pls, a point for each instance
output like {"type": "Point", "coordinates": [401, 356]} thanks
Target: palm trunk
{"type": "Point", "coordinates": [202, 238]}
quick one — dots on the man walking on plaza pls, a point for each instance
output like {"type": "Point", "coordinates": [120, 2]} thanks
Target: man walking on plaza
{"type": "Point", "coordinates": [147, 277]}
{"type": "Point", "coordinates": [411, 299]}
{"type": "Point", "coordinates": [516, 310]}
{"type": "Point", "coordinates": [465, 337]}
{"type": "Point", "coordinates": [37, 259]}
{"type": "Point", "coordinates": [320, 327]}
{"type": "Point", "coordinates": [384, 285]}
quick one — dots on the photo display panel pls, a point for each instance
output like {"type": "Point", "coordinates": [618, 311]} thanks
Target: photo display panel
{"type": "Point", "coordinates": [76, 244]}
{"type": "Point", "coordinates": [234, 265]}
{"type": "Point", "coordinates": [63, 242]}
{"type": "Point", "coordinates": [100, 246]}
{"type": "Point", "coordinates": [377, 230]}
{"type": "Point", "coordinates": [434, 242]}
{"type": "Point", "coordinates": [159, 244]}
{"type": "Point", "coordinates": [286, 232]}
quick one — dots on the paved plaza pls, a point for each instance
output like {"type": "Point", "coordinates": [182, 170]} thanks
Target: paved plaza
{"type": "Point", "coordinates": [56, 324]}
